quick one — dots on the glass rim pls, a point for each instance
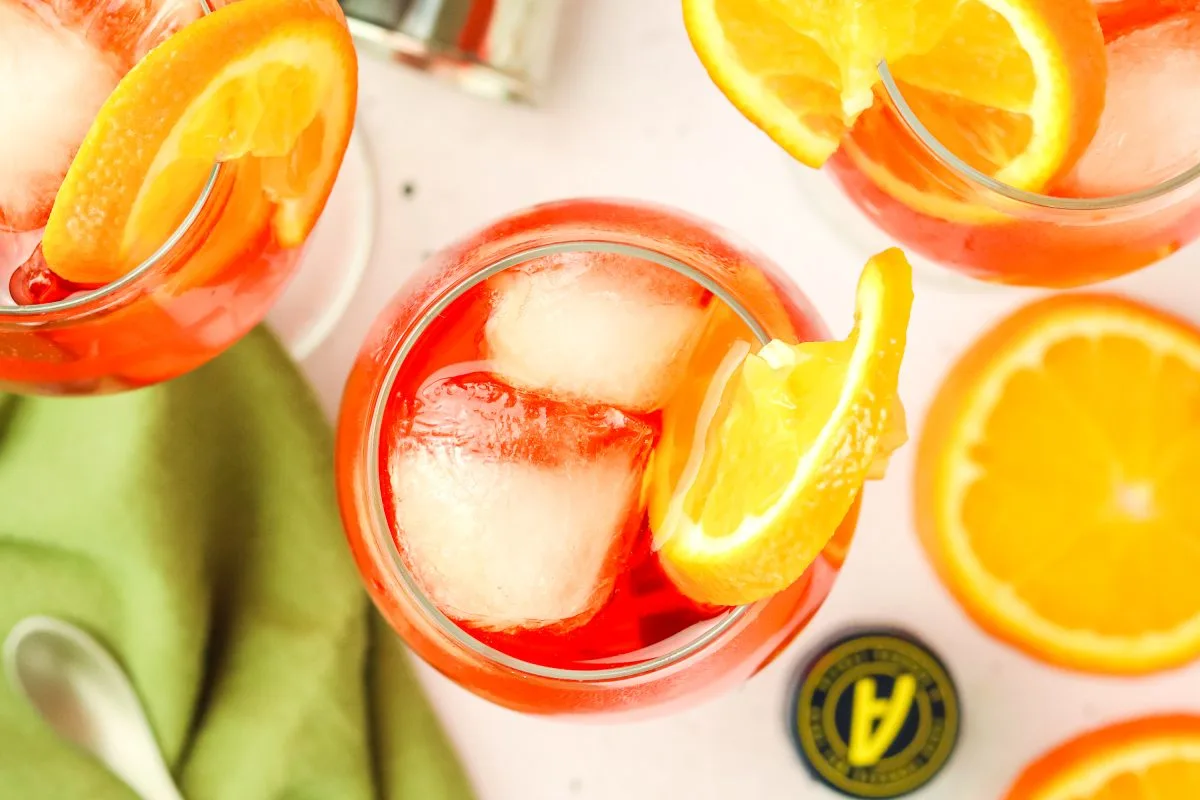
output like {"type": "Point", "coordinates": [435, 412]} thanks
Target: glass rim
{"type": "Point", "coordinates": [84, 300]}
{"type": "Point", "coordinates": [395, 568]}
{"type": "Point", "coordinates": [975, 176]}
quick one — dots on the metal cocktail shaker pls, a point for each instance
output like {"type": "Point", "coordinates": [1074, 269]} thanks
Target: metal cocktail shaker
{"type": "Point", "coordinates": [497, 48]}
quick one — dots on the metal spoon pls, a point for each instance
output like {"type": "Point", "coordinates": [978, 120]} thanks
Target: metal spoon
{"type": "Point", "coordinates": [85, 696]}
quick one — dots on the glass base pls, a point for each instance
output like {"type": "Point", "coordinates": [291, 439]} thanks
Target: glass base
{"type": "Point", "coordinates": [860, 236]}
{"type": "Point", "coordinates": [335, 258]}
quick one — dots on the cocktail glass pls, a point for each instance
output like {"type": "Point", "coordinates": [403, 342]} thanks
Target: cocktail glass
{"type": "Point", "coordinates": [203, 288]}
{"type": "Point", "coordinates": [1131, 200]}
{"type": "Point", "coordinates": [460, 537]}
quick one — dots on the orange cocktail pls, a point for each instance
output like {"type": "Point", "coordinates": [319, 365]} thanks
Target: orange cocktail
{"type": "Point", "coordinates": [525, 439]}
{"type": "Point", "coordinates": [1037, 142]}
{"type": "Point", "coordinates": [161, 176]}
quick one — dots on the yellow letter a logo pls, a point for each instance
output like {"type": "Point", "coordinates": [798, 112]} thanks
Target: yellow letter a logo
{"type": "Point", "coordinates": [868, 741]}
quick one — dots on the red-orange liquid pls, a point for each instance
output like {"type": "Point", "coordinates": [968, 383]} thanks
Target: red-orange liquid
{"type": "Point", "coordinates": [209, 291]}
{"type": "Point", "coordinates": [1029, 252]}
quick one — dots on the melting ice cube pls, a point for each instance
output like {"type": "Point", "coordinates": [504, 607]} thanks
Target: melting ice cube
{"type": "Point", "coordinates": [597, 327]}
{"type": "Point", "coordinates": [59, 61]}
{"type": "Point", "coordinates": [52, 83]}
{"type": "Point", "coordinates": [514, 510]}
{"type": "Point", "coordinates": [1150, 130]}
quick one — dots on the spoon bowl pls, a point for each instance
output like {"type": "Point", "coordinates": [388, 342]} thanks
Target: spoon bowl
{"type": "Point", "coordinates": [81, 691]}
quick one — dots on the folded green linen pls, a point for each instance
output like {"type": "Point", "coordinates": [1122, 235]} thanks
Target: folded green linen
{"type": "Point", "coordinates": [192, 527]}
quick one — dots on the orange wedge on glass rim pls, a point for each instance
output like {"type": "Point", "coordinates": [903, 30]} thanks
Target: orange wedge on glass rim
{"type": "Point", "coordinates": [1155, 758]}
{"type": "Point", "coordinates": [757, 468]}
{"type": "Point", "coordinates": [1013, 87]}
{"type": "Point", "coordinates": [1056, 484]}
{"type": "Point", "coordinates": [274, 80]}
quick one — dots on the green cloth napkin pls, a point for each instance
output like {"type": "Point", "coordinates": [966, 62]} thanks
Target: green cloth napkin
{"type": "Point", "coordinates": [192, 527]}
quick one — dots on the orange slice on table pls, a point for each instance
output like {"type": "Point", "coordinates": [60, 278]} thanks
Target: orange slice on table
{"type": "Point", "coordinates": [761, 460]}
{"type": "Point", "coordinates": [1156, 758]}
{"type": "Point", "coordinates": [274, 80]}
{"type": "Point", "coordinates": [1014, 87]}
{"type": "Point", "coordinates": [1056, 484]}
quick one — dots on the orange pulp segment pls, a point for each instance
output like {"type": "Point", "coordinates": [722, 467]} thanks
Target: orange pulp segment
{"type": "Point", "coordinates": [1056, 484]}
{"type": "Point", "coordinates": [272, 79]}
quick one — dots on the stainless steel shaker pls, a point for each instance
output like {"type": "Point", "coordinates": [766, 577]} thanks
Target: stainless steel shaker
{"type": "Point", "coordinates": [497, 48]}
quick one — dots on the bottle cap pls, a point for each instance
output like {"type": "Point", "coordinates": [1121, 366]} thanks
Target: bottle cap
{"type": "Point", "coordinates": [875, 715]}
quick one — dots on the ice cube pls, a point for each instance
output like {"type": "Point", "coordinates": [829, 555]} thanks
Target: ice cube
{"type": "Point", "coordinates": [52, 83]}
{"type": "Point", "coordinates": [59, 61]}
{"type": "Point", "coordinates": [597, 327]}
{"type": "Point", "coordinates": [513, 510]}
{"type": "Point", "coordinates": [1150, 130]}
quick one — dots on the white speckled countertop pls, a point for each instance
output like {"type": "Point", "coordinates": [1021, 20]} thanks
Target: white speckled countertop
{"type": "Point", "coordinates": [632, 114]}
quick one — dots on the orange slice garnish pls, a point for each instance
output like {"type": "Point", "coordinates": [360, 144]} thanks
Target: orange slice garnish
{"type": "Point", "coordinates": [1014, 87]}
{"type": "Point", "coordinates": [271, 79]}
{"type": "Point", "coordinates": [1056, 484]}
{"type": "Point", "coordinates": [764, 453]}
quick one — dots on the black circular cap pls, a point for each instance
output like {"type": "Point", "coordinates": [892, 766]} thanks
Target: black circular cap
{"type": "Point", "coordinates": [875, 714]}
